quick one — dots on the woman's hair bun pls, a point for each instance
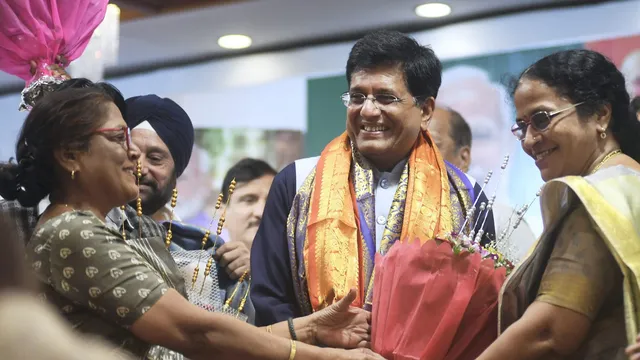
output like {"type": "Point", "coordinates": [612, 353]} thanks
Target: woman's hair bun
{"type": "Point", "coordinates": [19, 181]}
{"type": "Point", "coordinates": [9, 180]}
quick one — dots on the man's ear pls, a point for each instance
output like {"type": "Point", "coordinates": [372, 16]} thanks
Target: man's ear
{"type": "Point", "coordinates": [427, 109]}
{"type": "Point", "coordinates": [464, 154]}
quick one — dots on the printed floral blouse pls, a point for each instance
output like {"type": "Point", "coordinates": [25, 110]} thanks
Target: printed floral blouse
{"type": "Point", "coordinates": [99, 281]}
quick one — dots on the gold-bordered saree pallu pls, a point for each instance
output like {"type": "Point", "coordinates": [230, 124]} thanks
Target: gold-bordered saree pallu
{"type": "Point", "coordinates": [330, 251]}
{"type": "Point", "coordinates": [611, 199]}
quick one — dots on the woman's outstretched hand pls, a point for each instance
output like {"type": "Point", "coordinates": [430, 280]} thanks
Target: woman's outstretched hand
{"type": "Point", "coordinates": [56, 69]}
{"type": "Point", "coordinates": [633, 350]}
{"type": "Point", "coordinates": [343, 326]}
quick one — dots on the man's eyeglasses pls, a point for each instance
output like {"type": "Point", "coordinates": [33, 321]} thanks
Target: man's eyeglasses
{"type": "Point", "coordinates": [123, 133]}
{"type": "Point", "coordinates": [356, 100]}
{"type": "Point", "coordinates": [539, 121]}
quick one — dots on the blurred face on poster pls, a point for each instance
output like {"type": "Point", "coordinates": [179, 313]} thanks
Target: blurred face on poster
{"type": "Point", "coordinates": [484, 106]}
{"type": "Point", "coordinates": [287, 146]}
{"type": "Point", "coordinates": [631, 71]}
{"type": "Point", "coordinates": [194, 185]}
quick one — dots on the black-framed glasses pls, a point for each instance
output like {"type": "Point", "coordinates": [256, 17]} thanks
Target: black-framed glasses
{"type": "Point", "coordinates": [380, 101]}
{"type": "Point", "coordinates": [539, 121]}
{"type": "Point", "coordinates": [125, 133]}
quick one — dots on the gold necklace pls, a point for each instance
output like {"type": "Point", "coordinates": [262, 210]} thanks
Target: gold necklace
{"type": "Point", "coordinates": [606, 158]}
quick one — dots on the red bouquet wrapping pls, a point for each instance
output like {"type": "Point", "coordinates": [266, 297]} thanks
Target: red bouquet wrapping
{"type": "Point", "coordinates": [435, 301]}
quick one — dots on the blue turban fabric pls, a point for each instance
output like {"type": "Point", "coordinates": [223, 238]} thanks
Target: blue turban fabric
{"type": "Point", "coordinates": [169, 120]}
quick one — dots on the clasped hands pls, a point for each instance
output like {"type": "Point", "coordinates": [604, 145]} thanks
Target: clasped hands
{"type": "Point", "coordinates": [343, 326]}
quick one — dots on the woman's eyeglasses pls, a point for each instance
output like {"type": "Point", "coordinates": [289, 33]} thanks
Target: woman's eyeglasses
{"type": "Point", "coordinates": [124, 135]}
{"type": "Point", "coordinates": [539, 121]}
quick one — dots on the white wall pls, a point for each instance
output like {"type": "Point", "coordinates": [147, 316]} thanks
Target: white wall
{"type": "Point", "coordinates": [11, 120]}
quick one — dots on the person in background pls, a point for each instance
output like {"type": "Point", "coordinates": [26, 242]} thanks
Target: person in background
{"type": "Point", "coordinates": [635, 107]}
{"type": "Point", "coordinates": [75, 147]}
{"type": "Point", "coordinates": [244, 212]}
{"type": "Point", "coordinates": [452, 135]}
{"type": "Point", "coordinates": [164, 133]}
{"type": "Point", "coordinates": [25, 218]}
{"type": "Point", "coordinates": [326, 217]}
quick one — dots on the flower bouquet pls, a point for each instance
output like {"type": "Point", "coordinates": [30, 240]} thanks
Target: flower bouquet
{"type": "Point", "coordinates": [44, 34]}
{"type": "Point", "coordinates": [436, 299]}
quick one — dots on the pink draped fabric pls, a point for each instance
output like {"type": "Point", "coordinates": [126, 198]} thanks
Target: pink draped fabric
{"type": "Point", "coordinates": [42, 30]}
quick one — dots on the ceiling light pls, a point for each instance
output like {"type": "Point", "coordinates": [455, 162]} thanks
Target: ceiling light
{"type": "Point", "coordinates": [234, 41]}
{"type": "Point", "coordinates": [433, 10]}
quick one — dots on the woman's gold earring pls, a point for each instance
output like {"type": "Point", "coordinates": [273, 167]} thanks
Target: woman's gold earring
{"type": "Point", "coordinates": [603, 135]}
{"type": "Point", "coordinates": [73, 174]}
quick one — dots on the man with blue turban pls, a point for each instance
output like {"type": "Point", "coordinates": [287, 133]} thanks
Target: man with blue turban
{"type": "Point", "coordinates": [163, 132]}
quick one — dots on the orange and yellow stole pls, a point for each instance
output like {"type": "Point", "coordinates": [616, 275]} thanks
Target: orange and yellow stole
{"type": "Point", "coordinates": [334, 248]}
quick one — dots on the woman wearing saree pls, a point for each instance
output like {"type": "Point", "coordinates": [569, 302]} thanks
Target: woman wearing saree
{"type": "Point", "coordinates": [75, 147]}
{"type": "Point", "coordinates": [576, 294]}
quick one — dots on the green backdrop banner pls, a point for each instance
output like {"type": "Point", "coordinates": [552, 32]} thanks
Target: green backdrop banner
{"type": "Point", "coordinates": [326, 113]}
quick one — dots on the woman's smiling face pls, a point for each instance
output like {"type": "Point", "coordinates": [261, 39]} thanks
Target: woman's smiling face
{"type": "Point", "coordinates": [568, 145]}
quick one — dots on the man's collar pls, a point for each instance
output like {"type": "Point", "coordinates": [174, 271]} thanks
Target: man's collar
{"type": "Point", "coordinates": [165, 214]}
{"type": "Point", "coordinates": [366, 164]}
{"type": "Point", "coordinates": [396, 171]}
{"type": "Point", "coordinates": [117, 217]}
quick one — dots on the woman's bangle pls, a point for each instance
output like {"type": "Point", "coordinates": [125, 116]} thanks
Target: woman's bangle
{"type": "Point", "coordinates": [269, 329]}
{"type": "Point", "coordinates": [292, 353]}
{"type": "Point", "coordinates": [292, 329]}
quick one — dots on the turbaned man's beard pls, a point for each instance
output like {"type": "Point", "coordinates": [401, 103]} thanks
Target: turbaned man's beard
{"type": "Point", "coordinates": [159, 197]}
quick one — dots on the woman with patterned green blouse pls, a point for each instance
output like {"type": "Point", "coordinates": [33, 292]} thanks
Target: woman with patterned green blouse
{"type": "Point", "coordinates": [75, 147]}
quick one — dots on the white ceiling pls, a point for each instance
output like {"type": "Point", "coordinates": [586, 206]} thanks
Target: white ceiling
{"type": "Point", "coordinates": [191, 36]}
